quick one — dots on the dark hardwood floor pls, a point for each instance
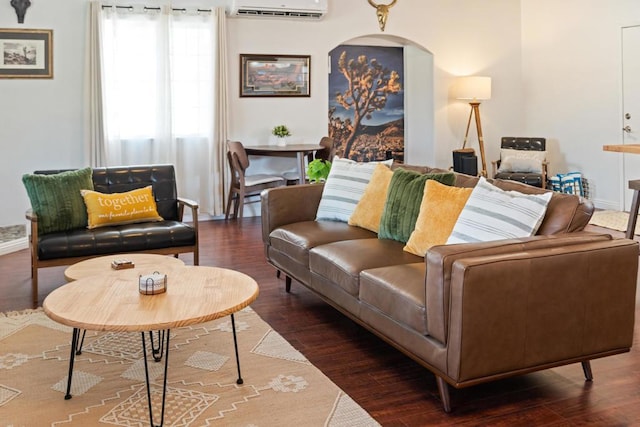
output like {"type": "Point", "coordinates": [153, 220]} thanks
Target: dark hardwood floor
{"type": "Point", "coordinates": [391, 387]}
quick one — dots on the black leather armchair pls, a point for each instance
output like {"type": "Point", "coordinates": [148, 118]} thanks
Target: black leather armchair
{"type": "Point", "coordinates": [169, 237]}
{"type": "Point", "coordinates": [536, 176]}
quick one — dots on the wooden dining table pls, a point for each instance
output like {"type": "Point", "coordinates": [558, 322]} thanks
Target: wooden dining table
{"type": "Point", "coordinates": [623, 148]}
{"type": "Point", "coordinates": [299, 151]}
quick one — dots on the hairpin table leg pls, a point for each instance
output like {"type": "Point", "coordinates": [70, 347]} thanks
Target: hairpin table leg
{"type": "Point", "coordinates": [235, 344]}
{"type": "Point", "coordinates": [166, 333]}
{"type": "Point", "coordinates": [72, 357]}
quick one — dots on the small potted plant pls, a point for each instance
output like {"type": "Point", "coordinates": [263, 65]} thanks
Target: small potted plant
{"type": "Point", "coordinates": [281, 132]}
{"type": "Point", "coordinates": [318, 170]}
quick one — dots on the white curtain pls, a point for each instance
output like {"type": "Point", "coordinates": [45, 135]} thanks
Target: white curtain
{"type": "Point", "coordinates": [221, 175]}
{"type": "Point", "coordinates": [160, 101]}
{"type": "Point", "coordinates": [94, 139]}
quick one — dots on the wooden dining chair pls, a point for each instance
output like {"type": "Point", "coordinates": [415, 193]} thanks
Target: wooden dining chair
{"type": "Point", "coordinates": [245, 188]}
{"type": "Point", "coordinates": [327, 152]}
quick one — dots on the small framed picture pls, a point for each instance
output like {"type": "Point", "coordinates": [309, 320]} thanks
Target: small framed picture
{"type": "Point", "coordinates": [26, 54]}
{"type": "Point", "coordinates": [275, 75]}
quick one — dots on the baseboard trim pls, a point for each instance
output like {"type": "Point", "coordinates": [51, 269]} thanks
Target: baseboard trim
{"type": "Point", "coordinates": [14, 246]}
{"type": "Point", "coordinates": [606, 204]}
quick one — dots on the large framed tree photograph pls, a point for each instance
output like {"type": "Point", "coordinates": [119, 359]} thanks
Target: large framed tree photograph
{"type": "Point", "coordinates": [26, 54]}
{"type": "Point", "coordinates": [366, 102]}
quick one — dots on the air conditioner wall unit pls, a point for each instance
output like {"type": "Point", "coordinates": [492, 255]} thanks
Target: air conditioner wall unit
{"type": "Point", "coordinates": [291, 9]}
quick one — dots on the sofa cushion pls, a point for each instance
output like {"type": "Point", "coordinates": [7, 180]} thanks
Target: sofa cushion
{"type": "Point", "coordinates": [398, 292]}
{"type": "Point", "coordinates": [344, 187]}
{"type": "Point", "coordinates": [56, 200]}
{"type": "Point", "coordinates": [115, 239]}
{"type": "Point", "coordinates": [566, 213]}
{"type": "Point", "coordinates": [126, 178]}
{"type": "Point", "coordinates": [516, 164]}
{"type": "Point", "coordinates": [441, 205]}
{"type": "Point", "coordinates": [494, 214]}
{"type": "Point", "coordinates": [532, 158]}
{"type": "Point", "coordinates": [369, 209]}
{"type": "Point", "coordinates": [403, 202]}
{"type": "Point", "coordinates": [341, 262]}
{"type": "Point", "coordinates": [297, 238]}
{"type": "Point", "coordinates": [120, 208]}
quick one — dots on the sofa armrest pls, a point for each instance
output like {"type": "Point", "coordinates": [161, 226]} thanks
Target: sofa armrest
{"type": "Point", "coordinates": [287, 205]}
{"type": "Point", "coordinates": [440, 259]}
{"type": "Point", "coordinates": [33, 232]}
{"type": "Point", "coordinates": [31, 215]}
{"type": "Point", "coordinates": [519, 312]}
{"type": "Point", "coordinates": [193, 205]}
{"type": "Point", "coordinates": [182, 202]}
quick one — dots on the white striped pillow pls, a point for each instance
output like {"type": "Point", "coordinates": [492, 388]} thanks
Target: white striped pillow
{"type": "Point", "coordinates": [493, 214]}
{"type": "Point", "coordinates": [344, 188]}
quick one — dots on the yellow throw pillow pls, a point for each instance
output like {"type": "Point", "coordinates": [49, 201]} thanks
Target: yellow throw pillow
{"type": "Point", "coordinates": [369, 209]}
{"type": "Point", "coordinates": [120, 208]}
{"type": "Point", "coordinates": [441, 205]}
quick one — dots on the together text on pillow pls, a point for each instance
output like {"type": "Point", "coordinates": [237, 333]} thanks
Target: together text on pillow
{"type": "Point", "coordinates": [120, 208]}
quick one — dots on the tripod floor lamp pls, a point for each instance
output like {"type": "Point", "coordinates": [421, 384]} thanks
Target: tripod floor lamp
{"type": "Point", "coordinates": [474, 89]}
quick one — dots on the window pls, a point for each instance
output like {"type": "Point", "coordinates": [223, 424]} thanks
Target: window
{"type": "Point", "coordinates": [158, 91]}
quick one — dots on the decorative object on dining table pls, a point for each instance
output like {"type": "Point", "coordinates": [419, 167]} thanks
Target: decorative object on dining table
{"type": "Point", "coordinates": [281, 132]}
{"type": "Point", "coordinates": [318, 170]}
{"type": "Point", "coordinates": [152, 284]}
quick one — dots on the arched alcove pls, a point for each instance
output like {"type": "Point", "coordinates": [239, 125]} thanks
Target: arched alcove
{"type": "Point", "coordinates": [417, 86]}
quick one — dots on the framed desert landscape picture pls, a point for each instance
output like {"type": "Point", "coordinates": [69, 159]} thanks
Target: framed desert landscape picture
{"type": "Point", "coordinates": [274, 75]}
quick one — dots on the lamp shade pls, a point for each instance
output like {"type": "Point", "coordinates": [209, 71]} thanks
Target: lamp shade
{"type": "Point", "coordinates": [473, 88]}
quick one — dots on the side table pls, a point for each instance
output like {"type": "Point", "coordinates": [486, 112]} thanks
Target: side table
{"type": "Point", "coordinates": [143, 264]}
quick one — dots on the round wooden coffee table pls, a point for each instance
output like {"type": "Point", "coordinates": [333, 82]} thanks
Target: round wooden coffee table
{"type": "Point", "coordinates": [112, 302]}
{"type": "Point", "coordinates": [144, 264]}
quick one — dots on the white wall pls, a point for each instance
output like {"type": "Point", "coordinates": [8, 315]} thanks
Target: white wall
{"type": "Point", "coordinates": [41, 119]}
{"type": "Point", "coordinates": [572, 75]}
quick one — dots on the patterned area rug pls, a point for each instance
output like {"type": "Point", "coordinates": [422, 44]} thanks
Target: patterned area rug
{"type": "Point", "coordinates": [615, 220]}
{"type": "Point", "coordinates": [281, 387]}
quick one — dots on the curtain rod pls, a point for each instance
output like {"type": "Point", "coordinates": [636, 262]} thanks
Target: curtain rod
{"type": "Point", "coordinates": [153, 8]}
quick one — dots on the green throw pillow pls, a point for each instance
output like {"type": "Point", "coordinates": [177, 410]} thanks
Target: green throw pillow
{"type": "Point", "coordinates": [403, 202]}
{"type": "Point", "coordinates": [56, 199]}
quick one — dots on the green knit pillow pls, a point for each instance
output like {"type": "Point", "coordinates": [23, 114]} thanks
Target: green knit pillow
{"type": "Point", "coordinates": [403, 202]}
{"type": "Point", "coordinates": [56, 199]}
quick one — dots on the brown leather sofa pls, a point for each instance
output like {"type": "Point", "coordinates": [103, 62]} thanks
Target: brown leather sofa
{"type": "Point", "coordinates": [169, 237]}
{"type": "Point", "coordinates": [470, 313]}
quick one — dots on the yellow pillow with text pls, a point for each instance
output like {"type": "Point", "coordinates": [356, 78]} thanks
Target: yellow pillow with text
{"type": "Point", "coordinates": [440, 208]}
{"type": "Point", "coordinates": [368, 211]}
{"type": "Point", "coordinates": [120, 208]}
